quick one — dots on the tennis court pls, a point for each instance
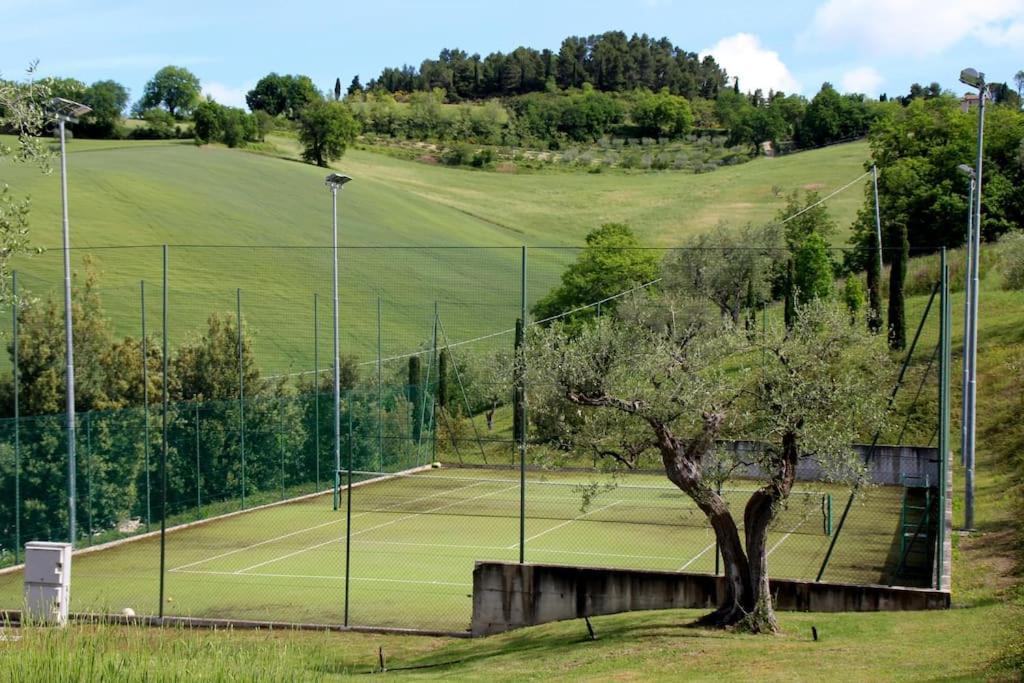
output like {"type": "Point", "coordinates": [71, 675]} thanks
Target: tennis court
{"type": "Point", "coordinates": [415, 536]}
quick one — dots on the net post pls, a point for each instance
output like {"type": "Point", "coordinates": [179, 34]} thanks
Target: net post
{"type": "Point", "coordinates": [241, 387]}
{"type": "Point", "coordinates": [17, 418]}
{"type": "Point", "coordinates": [163, 445]}
{"type": "Point", "coordinates": [145, 404]}
{"type": "Point", "coordinates": [433, 403]}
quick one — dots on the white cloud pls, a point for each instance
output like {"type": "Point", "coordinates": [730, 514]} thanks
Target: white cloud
{"type": "Point", "coordinates": [863, 79]}
{"type": "Point", "coordinates": [918, 28]}
{"type": "Point", "coordinates": [225, 94]}
{"type": "Point", "coordinates": [743, 56]}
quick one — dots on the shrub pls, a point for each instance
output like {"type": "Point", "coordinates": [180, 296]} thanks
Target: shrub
{"type": "Point", "coordinates": [1011, 260]}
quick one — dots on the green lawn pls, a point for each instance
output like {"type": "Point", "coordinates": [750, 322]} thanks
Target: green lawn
{"type": "Point", "coordinates": [415, 540]}
{"type": "Point", "coordinates": [143, 194]}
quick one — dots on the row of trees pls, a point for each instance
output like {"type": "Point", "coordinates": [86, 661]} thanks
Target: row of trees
{"type": "Point", "coordinates": [609, 61]}
{"type": "Point", "coordinates": [917, 149]}
{"type": "Point", "coordinates": [205, 462]}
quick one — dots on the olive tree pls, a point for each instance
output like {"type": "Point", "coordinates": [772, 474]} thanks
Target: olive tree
{"type": "Point", "coordinates": [672, 379]}
{"type": "Point", "coordinates": [21, 114]}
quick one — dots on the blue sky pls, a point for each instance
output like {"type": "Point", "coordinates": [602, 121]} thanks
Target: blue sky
{"type": "Point", "coordinates": [867, 46]}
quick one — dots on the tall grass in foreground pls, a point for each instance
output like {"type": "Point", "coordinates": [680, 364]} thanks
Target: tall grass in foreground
{"type": "Point", "coordinates": [110, 653]}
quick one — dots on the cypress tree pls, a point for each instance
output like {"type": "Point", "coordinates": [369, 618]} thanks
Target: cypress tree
{"type": "Point", "coordinates": [337, 89]}
{"type": "Point", "coordinates": [442, 379]}
{"type": "Point", "coordinates": [874, 291]}
{"type": "Point", "coordinates": [414, 395]}
{"type": "Point", "coordinates": [897, 280]}
{"type": "Point", "coordinates": [790, 294]}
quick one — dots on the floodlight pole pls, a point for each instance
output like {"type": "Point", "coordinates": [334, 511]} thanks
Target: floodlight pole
{"type": "Point", "coordinates": [69, 338]}
{"type": "Point", "coordinates": [967, 321]}
{"type": "Point", "coordinates": [878, 218]}
{"type": "Point", "coordinates": [335, 181]}
{"type": "Point", "coordinates": [975, 79]}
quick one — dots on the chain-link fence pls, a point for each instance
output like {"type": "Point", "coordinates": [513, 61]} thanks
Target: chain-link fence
{"type": "Point", "coordinates": [253, 493]}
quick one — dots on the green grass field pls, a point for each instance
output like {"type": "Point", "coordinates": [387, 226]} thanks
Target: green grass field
{"type": "Point", "coordinates": [415, 539]}
{"type": "Point", "coordinates": [143, 194]}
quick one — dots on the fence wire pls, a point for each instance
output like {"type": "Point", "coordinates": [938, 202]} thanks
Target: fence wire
{"type": "Point", "coordinates": [428, 467]}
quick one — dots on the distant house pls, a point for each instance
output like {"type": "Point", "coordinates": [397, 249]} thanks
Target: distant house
{"type": "Point", "coordinates": [968, 101]}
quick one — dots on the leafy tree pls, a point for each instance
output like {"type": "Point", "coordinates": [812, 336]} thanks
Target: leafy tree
{"type": "Point", "coordinates": [173, 87]}
{"type": "Point", "coordinates": [853, 296]}
{"type": "Point", "coordinates": [229, 125]}
{"type": "Point", "coordinates": [287, 95]}
{"type": "Point", "coordinates": [726, 267]}
{"type": "Point", "coordinates": [611, 262]}
{"type": "Point", "coordinates": [661, 113]}
{"type": "Point", "coordinates": [21, 115]}
{"type": "Point", "coordinates": [326, 129]}
{"type": "Point", "coordinates": [812, 270]}
{"type": "Point", "coordinates": [355, 87]}
{"type": "Point", "coordinates": [68, 88]}
{"type": "Point", "coordinates": [668, 394]}
{"type": "Point", "coordinates": [1018, 80]}
{"type": "Point", "coordinates": [917, 149]}
{"type": "Point", "coordinates": [108, 100]}
{"type": "Point", "coordinates": [805, 215]}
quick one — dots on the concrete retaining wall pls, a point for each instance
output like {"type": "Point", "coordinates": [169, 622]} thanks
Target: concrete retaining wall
{"type": "Point", "coordinates": [508, 595]}
{"type": "Point", "coordinates": [889, 465]}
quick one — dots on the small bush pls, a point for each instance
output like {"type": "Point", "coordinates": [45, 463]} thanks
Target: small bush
{"type": "Point", "coordinates": [1011, 260]}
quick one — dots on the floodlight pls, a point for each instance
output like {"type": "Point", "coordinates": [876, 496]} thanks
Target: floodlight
{"type": "Point", "coordinates": [973, 78]}
{"type": "Point", "coordinates": [336, 180]}
{"type": "Point", "coordinates": [966, 170]}
{"type": "Point", "coordinates": [68, 110]}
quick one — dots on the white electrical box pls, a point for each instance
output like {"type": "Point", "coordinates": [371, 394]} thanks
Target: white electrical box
{"type": "Point", "coordinates": [47, 582]}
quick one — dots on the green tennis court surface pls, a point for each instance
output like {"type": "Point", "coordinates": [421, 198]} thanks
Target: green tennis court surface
{"type": "Point", "coordinates": [415, 537]}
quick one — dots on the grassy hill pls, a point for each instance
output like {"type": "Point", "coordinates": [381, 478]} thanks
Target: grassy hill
{"type": "Point", "coordinates": [231, 206]}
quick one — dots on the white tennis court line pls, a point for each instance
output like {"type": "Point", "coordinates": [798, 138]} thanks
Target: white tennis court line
{"type": "Point", "coordinates": [329, 577]}
{"type": "Point", "coordinates": [318, 526]}
{"type": "Point", "coordinates": [565, 523]}
{"type": "Point", "coordinates": [787, 535]}
{"type": "Point", "coordinates": [587, 553]}
{"type": "Point", "coordinates": [373, 528]}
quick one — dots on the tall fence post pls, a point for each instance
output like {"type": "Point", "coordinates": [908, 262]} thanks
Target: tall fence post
{"type": "Point", "coordinates": [380, 397]}
{"type": "Point", "coordinates": [316, 386]}
{"type": "Point", "coordinates": [17, 418]}
{"type": "Point", "coordinates": [944, 407]}
{"type": "Point", "coordinates": [521, 407]}
{"type": "Point", "coordinates": [241, 387]}
{"type": "Point", "coordinates": [88, 474]}
{"type": "Point", "coordinates": [163, 446]}
{"type": "Point", "coordinates": [348, 511]}
{"type": "Point", "coordinates": [199, 471]}
{"type": "Point", "coordinates": [433, 394]}
{"type": "Point", "coordinates": [280, 439]}
{"type": "Point", "coordinates": [145, 402]}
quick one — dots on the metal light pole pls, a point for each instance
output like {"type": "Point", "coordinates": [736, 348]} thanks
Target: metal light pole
{"type": "Point", "coordinates": [969, 172]}
{"type": "Point", "coordinates": [335, 181]}
{"type": "Point", "coordinates": [66, 111]}
{"type": "Point", "coordinates": [975, 79]}
{"type": "Point", "coordinates": [878, 218]}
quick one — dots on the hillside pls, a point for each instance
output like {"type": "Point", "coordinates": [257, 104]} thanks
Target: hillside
{"type": "Point", "coordinates": [137, 194]}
